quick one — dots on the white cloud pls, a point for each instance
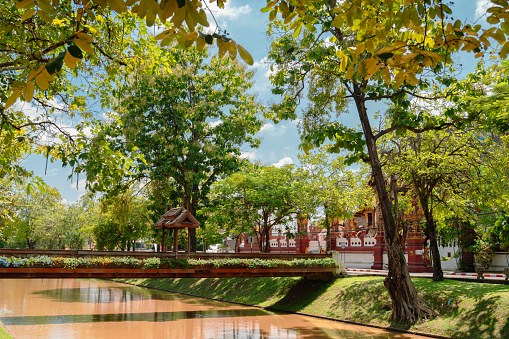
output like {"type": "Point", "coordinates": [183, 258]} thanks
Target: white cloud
{"type": "Point", "coordinates": [263, 66]}
{"type": "Point", "coordinates": [251, 155]}
{"type": "Point", "coordinates": [272, 129]}
{"type": "Point", "coordinates": [481, 7]}
{"type": "Point", "coordinates": [283, 162]}
{"type": "Point", "coordinates": [81, 186]}
{"type": "Point", "coordinates": [295, 122]}
{"type": "Point", "coordinates": [214, 124]}
{"type": "Point", "coordinates": [221, 15]}
{"type": "Point", "coordinates": [229, 11]}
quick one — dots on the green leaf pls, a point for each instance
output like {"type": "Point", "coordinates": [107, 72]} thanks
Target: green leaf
{"type": "Point", "coordinates": [75, 51]}
{"type": "Point", "coordinates": [385, 56]}
{"type": "Point", "coordinates": [56, 64]}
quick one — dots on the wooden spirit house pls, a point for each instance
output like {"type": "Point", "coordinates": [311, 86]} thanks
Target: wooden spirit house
{"type": "Point", "coordinates": [175, 219]}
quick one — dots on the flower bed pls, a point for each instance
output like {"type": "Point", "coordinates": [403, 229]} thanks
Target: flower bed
{"type": "Point", "coordinates": [159, 263]}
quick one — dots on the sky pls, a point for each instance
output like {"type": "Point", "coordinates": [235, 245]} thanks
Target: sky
{"type": "Point", "coordinates": [279, 142]}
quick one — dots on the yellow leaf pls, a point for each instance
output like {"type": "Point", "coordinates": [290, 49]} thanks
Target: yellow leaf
{"type": "Point", "coordinates": [150, 19]}
{"type": "Point", "coordinates": [46, 6]}
{"type": "Point", "coordinates": [29, 91]}
{"type": "Point", "coordinates": [84, 37]}
{"type": "Point", "coordinates": [48, 76]}
{"type": "Point", "coordinates": [349, 72]}
{"type": "Point", "coordinates": [369, 46]}
{"type": "Point", "coordinates": [44, 16]}
{"type": "Point", "coordinates": [166, 41]}
{"type": "Point", "coordinates": [499, 36]}
{"type": "Point", "coordinates": [32, 74]}
{"type": "Point", "coordinates": [12, 99]}
{"type": "Point", "coordinates": [153, 6]}
{"type": "Point", "coordinates": [192, 36]}
{"type": "Point", "coordinates": [23, 3]}
{"type": "Point", "coordinates": [42, 82]}
{"type": "Point", "coordinates": [190, 21]}
{"type": "Point", "coordinates": [290, 17]}
{"type": "Point", "coordinates": [28, 14]}
{"type": "Point", "coordinates": [69, 60]}
{"type": "Point", "coordinates": [84, 46]}
{"type": "Point", "coordinates": [118, 6]}
{"type": "Point", "coordinates": [200, 44]}
{"type": "Point", "coordinates": [297, 29]}
{"type": "Point", "coordinates": [245, 55]}
{"type": "Point", "coordinates": [232, 49]}
{"type": "Point", "coordinates": [372, 67]}
{"type": "Point", "coordinates": [223, 47]}
{"type": "Point", "coordinates": [164, 34]}
{"type": "Point", "coordinates": [386, 74]}
{"type": "Point", "coordinates": [505, 50]}
{"type": "Point", "coordinates": [198, 17]}
{"type": "Point", "coordinates": [411, 79]}
{"type": "Point", "coordinates": [169, 8]}
{"type": "Point", "coordinates": [179, 16]}
{"type": "Point", "coordinates": [400, 77]}
{"type": "Point", "coordinates": [143, 8]}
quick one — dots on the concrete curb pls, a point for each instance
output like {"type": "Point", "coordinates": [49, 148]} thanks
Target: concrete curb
{"type": "Point", "coordinates": [467, 274]}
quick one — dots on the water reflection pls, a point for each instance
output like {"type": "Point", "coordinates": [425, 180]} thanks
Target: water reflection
{"type": "Point", "coordinates": [150, 317]}
{"type": "Point", "coordinates": [96, 294]}
{"type": "Point", "coordinates": [68, 308]}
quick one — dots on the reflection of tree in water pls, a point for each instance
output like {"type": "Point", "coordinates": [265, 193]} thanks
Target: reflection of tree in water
{"type": "Point", "coordinates": [94, 294]}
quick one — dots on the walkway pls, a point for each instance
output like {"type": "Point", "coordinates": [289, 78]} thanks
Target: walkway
{"type": "Point", "coordinates": [488, 277]}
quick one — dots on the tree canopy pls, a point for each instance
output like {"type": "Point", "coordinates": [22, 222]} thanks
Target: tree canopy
{"type": "Point", "coordinates": [369, 51]}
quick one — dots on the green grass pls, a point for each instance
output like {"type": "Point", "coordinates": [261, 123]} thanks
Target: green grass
{"type": "Point", "coordinates": [4, 334]}
{"type": "Point", "coordinates": [467, 309]}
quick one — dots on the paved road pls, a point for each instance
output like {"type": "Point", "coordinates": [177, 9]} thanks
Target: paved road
{"type": "Point", "coordinates": [489, 277]}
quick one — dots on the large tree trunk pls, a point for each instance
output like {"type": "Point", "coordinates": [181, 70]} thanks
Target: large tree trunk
{"type": "Point", "coordinates": [327, 226]}
{"type": "Point", "coordinates": [406, 304]}
{"type": "Point", "coordinates": [267, 240]}
{"type": "Point", "coordinates": [189, 205]}
{"type": "Point", "coordinates": [438, 274]}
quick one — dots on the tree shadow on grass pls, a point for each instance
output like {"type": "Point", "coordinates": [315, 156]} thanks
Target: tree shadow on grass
{"type": "Point", "coordinates": [470, 308]}
{"type": "Point", "coordinates": [302, 294]}
{"type": "Point", "coordinates": [480, 321]}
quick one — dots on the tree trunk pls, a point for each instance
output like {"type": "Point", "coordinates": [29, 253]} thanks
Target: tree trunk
{"type": "Point", "coordinates": [406, 304]}
{"type": "Point", "coordinates": [267, 240]}
{"type": "Point", "coordinates": [327, 225]}
{"type": "Point", "coordinates": [192, 231]}
{"type": "Point", "coordinates": [438, 274]}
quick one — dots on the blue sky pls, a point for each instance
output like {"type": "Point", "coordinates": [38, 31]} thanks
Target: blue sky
{"type": "Point", "coordinates": [247, 25]}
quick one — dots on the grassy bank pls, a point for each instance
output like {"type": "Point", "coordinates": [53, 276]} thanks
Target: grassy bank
{"type": "Point", "coordinates": [467, 309]}
{"type": "Point", "coordinates": [4, 334]}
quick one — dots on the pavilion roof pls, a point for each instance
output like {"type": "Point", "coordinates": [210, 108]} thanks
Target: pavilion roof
{"type": "Point", "coordinates": [177, 218]}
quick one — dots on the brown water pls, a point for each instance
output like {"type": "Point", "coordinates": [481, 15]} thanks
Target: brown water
{"type": "Point", "coordinates": [71, 308]}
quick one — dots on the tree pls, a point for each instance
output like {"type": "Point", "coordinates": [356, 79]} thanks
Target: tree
{"type": "Point", "coordinates": [338, 190]}
{"type": "Point", "coordinates": [368, 51]}
{"type": "Point", "coordinates": [125, 220]}
{"type": "Point", "coordinates": [40, 37]}
{"type": "Point", "coordinates": [33, 202]}
{"type": "Point", "coordinates": [437, 165]}
{"type": "Point", "coordinates": [53, 54]}
{"type": "Point", "coordinates": [259, 198]}
{"type": "Point", "coordinates": [186, 116]}
{"type": "Point", "coordinates": [68, 225]}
